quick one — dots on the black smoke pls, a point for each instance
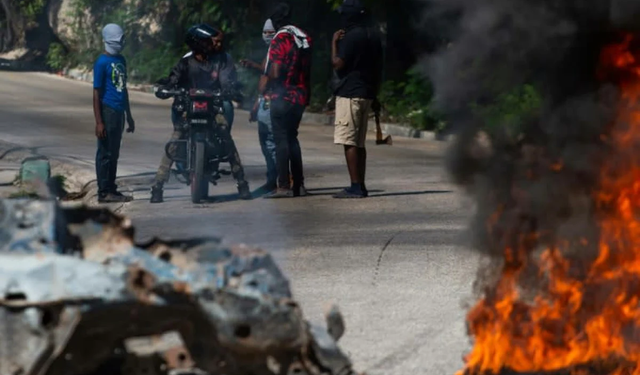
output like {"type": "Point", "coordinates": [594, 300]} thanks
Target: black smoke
{"type": "Point", "coordinates": [536, 188]}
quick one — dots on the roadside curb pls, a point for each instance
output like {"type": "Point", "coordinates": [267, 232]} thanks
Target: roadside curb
{"type": "Point", "coordinates": [87, 76]}
{"type": "Point", "coordinates": [79, 181]}
{"type": "Point", "coordinates": [396, 130]}
{"type": "Point", "coordinates": [318, 119]}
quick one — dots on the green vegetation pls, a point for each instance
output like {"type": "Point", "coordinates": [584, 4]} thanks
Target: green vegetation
{"type": "Point", "coordinates": [409, 102]}
{"type": "Point", "coordinates": [155, 33]}
{"type": "Point", "coordinates": [510, 111]}
{"type": "Point", "coordinates": [30, 9]}
{"type": "Point", "coordinates": [23, 194]}
{"type": "Point", "coordinates": [57, 57]}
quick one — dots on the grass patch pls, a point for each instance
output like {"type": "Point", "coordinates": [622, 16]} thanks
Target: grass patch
{"type": "Point", "coordinates": [24, 194]}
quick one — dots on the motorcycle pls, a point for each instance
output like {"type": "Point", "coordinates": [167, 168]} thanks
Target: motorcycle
{"type": "Point", "coordinates": [199, 154]}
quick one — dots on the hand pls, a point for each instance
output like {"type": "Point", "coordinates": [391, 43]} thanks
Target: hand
{"type": "Point", "coordinates": [101, 133]}
{"type": "Point", "coordinates": [253, 115]}
{"type": "Point", "coordinates": [247, 64]}
{"type": "Point", "coordinates": [338, 35]}
{"type": "Point", "coordinates": [132, 125]}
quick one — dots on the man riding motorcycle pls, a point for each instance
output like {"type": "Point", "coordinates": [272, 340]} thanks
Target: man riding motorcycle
{"type": "Point", "coordinates": [199, 69]}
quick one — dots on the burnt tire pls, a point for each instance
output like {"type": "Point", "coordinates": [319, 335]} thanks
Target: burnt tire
{"type": "Point", "coordinates": [199, 182]}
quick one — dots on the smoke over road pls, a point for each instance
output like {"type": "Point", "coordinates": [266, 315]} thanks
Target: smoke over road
{"type": "Point", "coordinates": [554, 186]}
{"type": "Point", "coordinates": [541, 181]}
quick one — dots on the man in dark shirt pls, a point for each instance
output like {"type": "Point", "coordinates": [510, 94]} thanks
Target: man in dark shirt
{"type": "Point", "coordinates": [357, 59]}
{"type": "Point", "coordinates": [288, 68]}
{"type": "Point", "coordinates": [205, 67]}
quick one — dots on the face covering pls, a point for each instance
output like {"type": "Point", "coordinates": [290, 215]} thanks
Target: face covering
{"type": "Point", "coordinates": [113, 37]}
{"type": "Point", "coordinates": [268, 27]}
{"type": "Point", "coordinates": [351, 17]}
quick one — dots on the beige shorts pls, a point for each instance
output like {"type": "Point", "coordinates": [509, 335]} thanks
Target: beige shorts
{"type": "Point", "coordinates": [352, 120]}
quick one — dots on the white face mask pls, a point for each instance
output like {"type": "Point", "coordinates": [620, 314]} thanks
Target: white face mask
{"type": "Point", "coordinates": [268, 37]}
{"type": "Point", "coordinates": [114, 39]}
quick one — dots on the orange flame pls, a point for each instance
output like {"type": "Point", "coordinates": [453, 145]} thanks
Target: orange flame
{"type": "Point", "coordinates": [576, 321]}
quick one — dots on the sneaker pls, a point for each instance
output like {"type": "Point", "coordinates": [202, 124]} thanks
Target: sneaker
{"type": "Point", "coordinates": [244, 191]}
{"type": "Point", "coordinates": [365, 192]}
{"type": "Point", "coordinates": [268, 187]}
{"type": "Point", "coordinates": [300, 191]}
{"type": "Point", "coordinates": [280, 193]}
{"type": "Point", "coordinates": [113, 198]}
{"type": "Point", "coordinates": [118, 194]}
{"type": "Point", "coordinates": [349, 193]}
{"type": "Point", "coordinates": [156, 194]}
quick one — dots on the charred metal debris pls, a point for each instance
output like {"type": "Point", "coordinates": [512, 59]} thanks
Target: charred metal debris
{"type": "Point", "coordinates": [79, 297]}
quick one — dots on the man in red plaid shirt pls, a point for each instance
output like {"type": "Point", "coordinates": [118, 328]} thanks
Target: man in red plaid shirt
{"type": "Point", "coordinates": [288, 68]}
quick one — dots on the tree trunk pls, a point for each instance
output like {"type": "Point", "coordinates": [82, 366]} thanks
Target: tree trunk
{"type": "Point", "coordinates": [15, 26]}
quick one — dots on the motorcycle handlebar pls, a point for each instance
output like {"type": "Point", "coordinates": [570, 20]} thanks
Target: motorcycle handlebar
{"type": "Point", "coordinates": [167, 93]}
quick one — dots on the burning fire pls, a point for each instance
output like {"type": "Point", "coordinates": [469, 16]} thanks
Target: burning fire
{"type": "Point", "coordinates": [584, 322]}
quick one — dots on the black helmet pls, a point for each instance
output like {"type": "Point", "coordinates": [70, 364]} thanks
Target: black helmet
{"type": "Point", "coordinates": [199, 38]}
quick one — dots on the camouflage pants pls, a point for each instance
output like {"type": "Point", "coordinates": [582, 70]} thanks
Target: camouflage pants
{"type": "Point", "coordinates": [164, 171]}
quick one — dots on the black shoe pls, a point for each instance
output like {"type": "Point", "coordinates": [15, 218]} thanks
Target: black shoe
{"type": "Point", "coordinates": [365, 192]}
{"type": "Point", "coordinates": [113, 198]}
{"type": "Point", "coordinates": [120, 195]}
{"type": "Point", "coordinates": [269, 187]}
{"type": "Point", "coordinates": [280, 193]}
{"type": "Point", "coordinates": [156, 194]}
{"type": "Point", "coordinates": [244, 191]}
{"type": "Point", "coordinates": [350, 193]}
{"type": "Point", "coordinates": [300, 191]}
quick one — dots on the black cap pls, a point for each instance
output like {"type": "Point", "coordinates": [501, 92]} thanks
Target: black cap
{"type": "Point", "coordinates": [351, 5]}
{"type": "Point", "coordinates": [280, 15]}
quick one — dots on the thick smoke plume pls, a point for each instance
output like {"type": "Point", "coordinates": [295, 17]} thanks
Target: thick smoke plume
{"type": "Point", "coordinates": [537, 188]}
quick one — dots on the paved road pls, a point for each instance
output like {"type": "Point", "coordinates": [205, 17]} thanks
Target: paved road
{"type": "Point", "coordinates": [395, 263]}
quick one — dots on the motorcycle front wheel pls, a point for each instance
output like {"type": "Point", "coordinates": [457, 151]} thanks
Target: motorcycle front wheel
{"type": "Point", "coordinates": [199, 182]}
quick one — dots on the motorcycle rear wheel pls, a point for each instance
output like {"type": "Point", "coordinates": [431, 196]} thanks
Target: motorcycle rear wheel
{"type": "Point", "coordinates": [199, 183]}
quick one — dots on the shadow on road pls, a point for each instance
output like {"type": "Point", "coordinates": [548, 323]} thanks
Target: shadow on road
{"type": "Point", "coordinates": [32, 150]}
{"type": "Point", "coordinates": [374, 193]}
{"type": "Point", "coordinates": [406, 193]}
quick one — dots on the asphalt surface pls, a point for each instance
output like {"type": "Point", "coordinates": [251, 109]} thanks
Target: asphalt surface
{"type": "Point", "coordinates": [395, 263]}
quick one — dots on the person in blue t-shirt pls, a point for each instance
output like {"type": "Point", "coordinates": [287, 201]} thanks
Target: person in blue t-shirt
{"type": "Point", "coordinates": [110, 105]}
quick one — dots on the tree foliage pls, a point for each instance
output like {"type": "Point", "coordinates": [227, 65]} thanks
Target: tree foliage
{"type": "Point", "coordinates": [155, 41]}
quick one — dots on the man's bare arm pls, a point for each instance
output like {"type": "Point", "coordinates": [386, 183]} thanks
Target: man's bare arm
{"type": "Point", "coordinates": [272, 75]}
{"type": "Point", "coordinates": [264, 80]}
{"type": "Point", "coordinates": [262, 85]}
{"type": "Point", "coordinates": [127, 104]}
{"type": "Point", "coordinates": [97, 113]}
{"type": "Point", "coordinates": [130, 121]}
{"type": "Point", "coordinates": [274, 71]}
{"type": "Point", "coordinates": [336, 61]}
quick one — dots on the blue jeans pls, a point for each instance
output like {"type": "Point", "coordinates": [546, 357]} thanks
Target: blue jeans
{"type": "Point", "coordinates": [109, 150]}
{"type": "Point", "coordinates": [267, 143]}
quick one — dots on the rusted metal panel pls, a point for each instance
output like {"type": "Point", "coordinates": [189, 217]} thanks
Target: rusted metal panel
{"type": "Point", "coordinates": [79, 297]}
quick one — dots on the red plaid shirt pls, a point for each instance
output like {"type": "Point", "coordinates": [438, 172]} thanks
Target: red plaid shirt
{"type": "Point", "coordinates": [294, 84]}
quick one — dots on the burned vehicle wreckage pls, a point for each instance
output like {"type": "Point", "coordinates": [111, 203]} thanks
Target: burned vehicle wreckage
{"type": "Point", "coordinates": [79, 297]}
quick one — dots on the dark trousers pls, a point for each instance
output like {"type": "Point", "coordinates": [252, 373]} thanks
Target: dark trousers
{"type": "Point", "coordinates": [285, 119]}
{"type": "Point", "coordinates": [109, 150]}
{"type": "Point", "coordinates": [164, 171]}
{"type": "Point", "coordinates": [229, 113]}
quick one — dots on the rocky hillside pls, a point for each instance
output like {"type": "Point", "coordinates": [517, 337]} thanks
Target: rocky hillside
{"type": "Point", "coordinates": [55, 34]}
